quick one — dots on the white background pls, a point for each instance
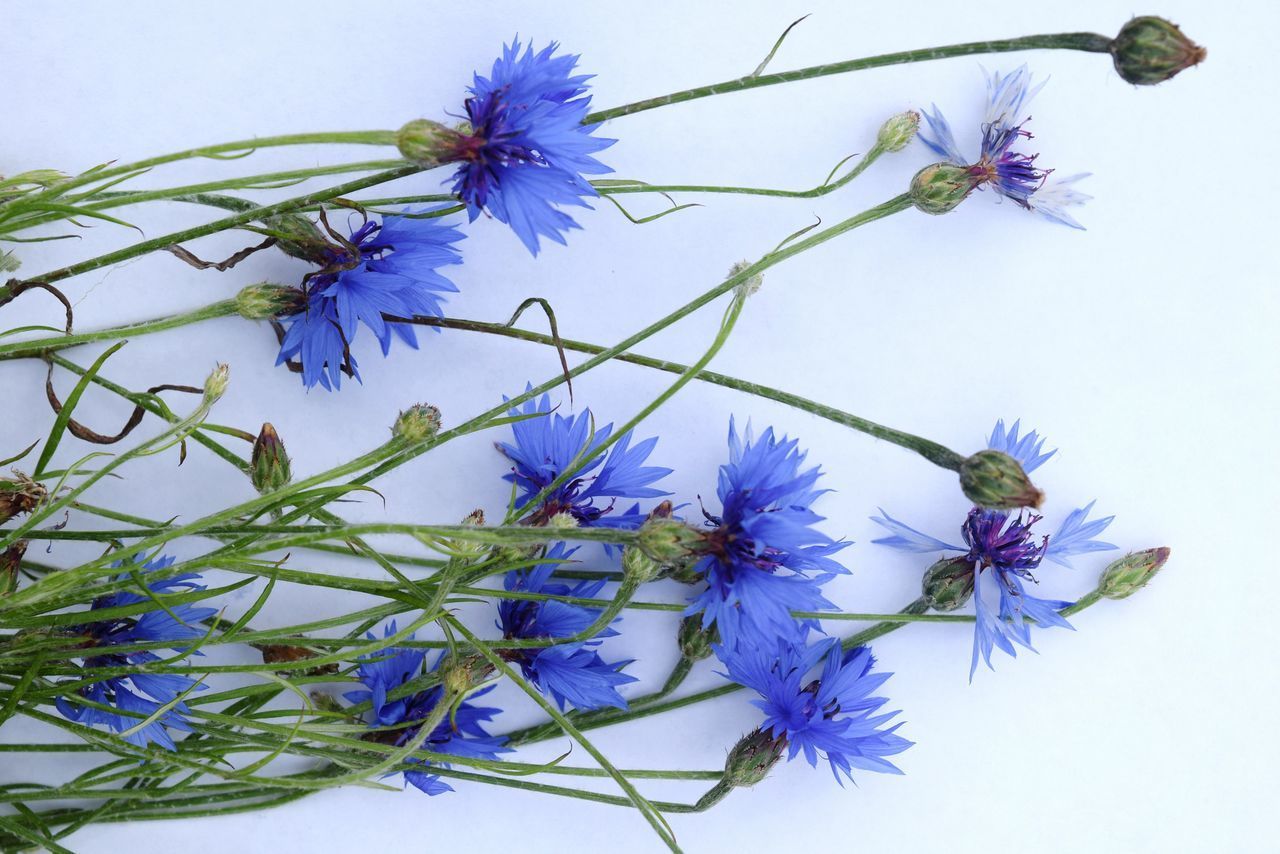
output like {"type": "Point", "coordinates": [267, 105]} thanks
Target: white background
{"type": "Point", "coordinates": [1142, 347]}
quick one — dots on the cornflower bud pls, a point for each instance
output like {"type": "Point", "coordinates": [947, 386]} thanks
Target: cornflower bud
{"type": "Point", "coordinates": [298, 237]}
{"type": "Point", "coordinates": [265, 300]}
{"type": "Point", "coordinates": [897, 132]}
{"type": "Point", "coordinates": [461, 674]}
{"type": "Point", "coordinates": [751, 284]}
{"type": "Point", "coordinates": [948, 584]}
{"type": "Point", "coordinates": [19, 494]}
{"type": "Point", "coordinates": [10, 563]}
{"type": "Point", "coordinates": [268, 464]}
{"type": "Point", "coordinates": [1131, 573]}
{"type": "Point", "coordinates": [1150, 50]}
{"type": "Point", "coordinates": [939, 188]}
{"type": "Point", "coordinates": [753, 757]}
{"type": "Point", "coordinates": [695, 641]}
{"type": "Point", "coordinates": [216, 383]}
{"type": "Point", "coordinates": [996, 480]}
{"type": "Point", "coordinates": [417, 424]}
{"type": "Point", "coordinates": [429, 143]}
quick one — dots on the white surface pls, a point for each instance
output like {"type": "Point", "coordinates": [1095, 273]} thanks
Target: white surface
{"type": "Point", "coordinates": [1141, 347]}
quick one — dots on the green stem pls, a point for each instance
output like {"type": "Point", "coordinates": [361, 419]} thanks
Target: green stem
{"type": "Point", "coordinates": [256, 213]}
{"type": "Point", "coordinates": [43, 346]}
{"type": "Point", "coordinates": [1090, 42]}
{"type": "Point", "coordinates": [358, 137]}
{"type": "Point", "coordinates": [934, 452]}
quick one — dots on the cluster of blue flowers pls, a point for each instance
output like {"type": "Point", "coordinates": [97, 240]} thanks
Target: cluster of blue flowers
{"type": "Point", "coordinates": [761, 560]}
{"type": "Point", "coordinates": [522, 158]}
{"type": "Point", "coordinates": [141, 706]}
{"type": "Point", "coordinates": [764, 559]}
{"type": "Point", "coordinates": [1002, 550]}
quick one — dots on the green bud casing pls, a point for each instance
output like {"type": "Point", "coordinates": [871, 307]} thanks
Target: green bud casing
{"type": "Point", "coordinates": [1150, 50]}
{"type": "Point", "coordinates": [994, 479]}
{"type": "Point", "coordinates": [269, 464]}
{"type": "Point", "coordinates": [10, 563]}
{"type": "Point", "coordinates": [939, 188]}
{"type": "Point", "coordinates": [897, 132]}
{"type": "Point", "coordinates": [753, 757]}
{"type": "Point", "coordinates": [265, 300]}
{"type": "Point", "coordinates": [669, 541]}
{"type": "Point", "coordinates": [1131, 573]}
{"type": "Point", "coordinates": [418, 423]}
{"type": "Point", "coordinates": [429, 143]}
{"type": "Point", "coordinates": [695, 641]}
{"type": "Point", "coordinates": [948, 584]}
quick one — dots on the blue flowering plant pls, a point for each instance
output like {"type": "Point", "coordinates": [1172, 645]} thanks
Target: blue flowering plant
{"type": "Point", "coordinates": [306, 642]}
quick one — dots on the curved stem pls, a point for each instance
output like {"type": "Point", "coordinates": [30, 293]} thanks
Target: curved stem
{"type": "Point", "coordinates": [221, 150]}
{"type": "Point", "coordinates": [1090, 42]}
{"type": "Point", "coordinates": [225, 223]}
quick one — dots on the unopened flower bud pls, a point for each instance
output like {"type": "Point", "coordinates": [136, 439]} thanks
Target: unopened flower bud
{"type": "Point", "coordinates": [939, 188]}
{"type": "Point", "coordinates": [418, 423]}
{"type": "Point", "coordinates": [1151, 50]}
{"type": "Point", "coordinates": [299, 237]}
{"type": "Point", "coordinates": [10, 563]}
{"type": "Point", "coordinates": [264, 301]}
{"type": "Point", "coordinates": [19, 494]}
{"type": "Point", "coordinates": [753, 757]}
{"type": "Point", "coordinates": [325, 702]}
{"type": "Point", "coordinates": [749, 285]}
{"type": "Point", "coordinates": [268, 464]}
{"type": "Point", "coordinates": [1131, 573]}
{"type": "Point", "coordinates": [562, 521]}
{"type": "Point", "coordinates": [994, 479]}
{"type": "Point", "coordinates": [695, 641]}
{"type": "Point", "coordinates": [948, 584]}
{"type": "Point", "coordinates": [216, 383]}
{"type": "Point", "coordinates": [638, 566]}
{"type": "Point", "coordinates": [461, 674]}
{"type": "Point", "coordinates": [897, 132]}
{"type": "Point", "coordinates": [428, 143]}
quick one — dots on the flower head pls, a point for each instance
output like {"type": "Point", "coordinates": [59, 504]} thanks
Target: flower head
{"type": "Point", "coordinates": [1010, 172]}
{"type": "Point", "coordinates": [139, 697]}
{"type": "Point", "coordinates": [834, 715]}
{"type": "Point", "coordinates": [526, 150]}
{"type": "Point", "coordinates": [765, 558]}
{"type": "Point", "coordinates": [384, 269]}
{"type": "Point", "coordinates": [1003, 549]}
{"type": "Point", "coordinates": [460, 733]}
{"type": "Point", "coordinates": [546, 444]}
{"type": "Point", "coordinates": [571, 673]}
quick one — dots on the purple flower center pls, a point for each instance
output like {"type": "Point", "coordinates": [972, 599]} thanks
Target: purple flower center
{"type": "Point", "coordinates": [996, 541]}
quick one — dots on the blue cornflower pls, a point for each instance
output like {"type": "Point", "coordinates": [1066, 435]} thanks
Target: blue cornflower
{"type": "Point", "coordinates": [546, 444]}
{"type": "Point", "coordinates": [527, 149]}
{"type": "Point", "coordinates": [834, 715]}
{"type": "Point", "coordinates": [461, 733]}
{"type": "Point", "coordinates": [1002, 548]}
{"type": "Point", "coordinates": [763, 545]}
{"type": "Point", "coordinates": [385, 269]}
{"type": "Point", "coordinates": [138, 696]}
{"type": "Point", "coordinates": [1011, 173]}
{"type": "Point", "coordinates": [571, 673]}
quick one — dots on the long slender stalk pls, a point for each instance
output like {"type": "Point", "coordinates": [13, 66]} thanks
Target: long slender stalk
{"type": "Point", "coordinates": [1090, 42]}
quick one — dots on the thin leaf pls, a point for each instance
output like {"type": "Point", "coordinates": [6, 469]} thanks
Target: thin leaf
{"type": "Point", "coordinates": [60, 423]}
